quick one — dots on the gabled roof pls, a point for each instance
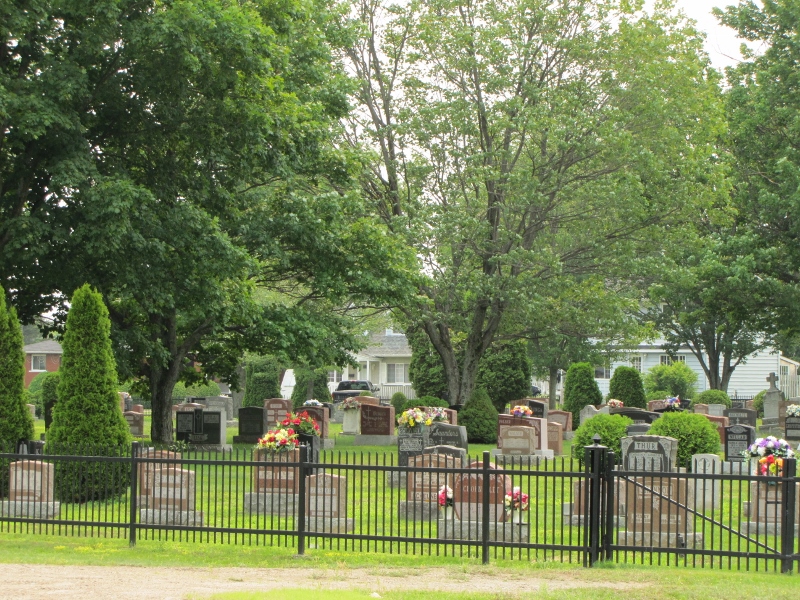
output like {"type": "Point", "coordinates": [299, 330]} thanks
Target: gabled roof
{"type": "Point", "coordinates": [45, 347]}
{"type": "Point", "coordinates": [386, 346]}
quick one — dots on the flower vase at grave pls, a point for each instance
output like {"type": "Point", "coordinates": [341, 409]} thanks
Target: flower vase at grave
{"type": "Point", "coordinates": [447, 513]}
{"type": "Point", "coordinates": [515, 516]}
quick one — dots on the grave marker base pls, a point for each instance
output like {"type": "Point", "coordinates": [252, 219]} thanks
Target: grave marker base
{"type": "Point", "coordinates": [171, 517]}
{"type": "Point", "coordinates": [30, 509]}
{"type": "Point", "coordinates": [660, 540]}
{"type": "Point", "coordinates": [267, 503]}
{"type": "Point", "coordinates": [328, 525]}
{"type": "Point", "coordinates": [522, 459]}
{"type": "Point", "coordinates": [414, 510]}
{"type": "Point", "coordinates": [375, 440]}
{"type": "Point", "coordinates": [473, 530]}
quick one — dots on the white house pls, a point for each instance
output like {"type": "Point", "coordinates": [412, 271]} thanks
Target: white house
{"type": "Point", "coordinates": [747, 379]}
{"type": "Point", "coordinates": [384, 362]}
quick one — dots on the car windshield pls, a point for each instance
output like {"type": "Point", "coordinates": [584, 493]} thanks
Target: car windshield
{"type": "Point", "coordinates": [353, 385]}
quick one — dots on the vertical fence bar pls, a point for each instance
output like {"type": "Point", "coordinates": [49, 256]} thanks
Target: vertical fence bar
{"type": "Point", "coordinates": [595, 458]}
{"type": "Point", "coordinates": [485, 508]}
{"type": "Point", "coordinates": [134, 493]}
{"type": "Point", "coordinates": [301, 502]}
{"type": "Point", "coordinates": [788, 507]}
{"type": "Point", "coordinates": [611, 511]}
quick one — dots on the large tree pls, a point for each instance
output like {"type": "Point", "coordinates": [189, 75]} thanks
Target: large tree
{"type": "Point", "coordinates": [763, 102]}
{"type": "Point", "coordinates": [205, 173]}
{"type": "Point", "coordinates": [519, 141]}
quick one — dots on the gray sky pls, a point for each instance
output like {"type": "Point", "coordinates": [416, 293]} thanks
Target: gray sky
{"type": "Point", "coordinates": [722, 44]}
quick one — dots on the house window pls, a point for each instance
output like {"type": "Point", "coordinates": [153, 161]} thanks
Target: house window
{"type": "Point", "coordinates": [397, 373]}
{"type": "Point", "coordinates": [602, 373]}
{"type": "Point", "coordinates": [636, 363]}
{"type": "Point", "coordinates": [334, 376]}
{"type": "Point", "coordinates": [666, 360]}
{"type": "Point", "coordinates": [38, 362]}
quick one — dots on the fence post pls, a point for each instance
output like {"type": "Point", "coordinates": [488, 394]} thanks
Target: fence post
{"type": "Point", "coordinates": [301, 502]}
{"type": "Point", "coordinates": [594, 461]}
{"type": "Point", "coordinates": [485, 508]}
{"type": "Point", "coordinates": [788, 504]}
{"type": "Point", "coordinates": [611, 490]}
{"type": "Point", "coordinates": [134, 492]}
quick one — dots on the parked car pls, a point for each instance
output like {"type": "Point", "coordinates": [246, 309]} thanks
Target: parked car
{"type": "Point", "coordinates": [352, 388]}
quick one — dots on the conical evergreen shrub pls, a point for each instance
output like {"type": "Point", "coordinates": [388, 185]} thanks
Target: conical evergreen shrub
{"type": "Point", "coordinates": [580, 389]}
{"type": "Point", "coordinates": [626, 385]}
{"type": "Point", "coordinates": [16, 422]}
{"type": "Point", "coordinates": [479, 416]}
{"type": "Point", "coordinates": [87, 419]}
{"type": "Point", "coordinates": [321, 391]}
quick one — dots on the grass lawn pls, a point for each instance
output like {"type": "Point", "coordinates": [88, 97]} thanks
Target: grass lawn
{"type": "Point", "coordinates": [402, 577]}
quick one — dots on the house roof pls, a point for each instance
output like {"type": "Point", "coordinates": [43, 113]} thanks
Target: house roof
{"type": "Point", "coordinates": [387, 346]}
{"type": "Point", "coordinates": [45, 347]}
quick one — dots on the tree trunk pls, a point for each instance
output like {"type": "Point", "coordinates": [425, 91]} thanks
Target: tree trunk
{"type": "Point", "coordinates": [553, 387]}
{"type": "Point", "coordinates": [162, 382]}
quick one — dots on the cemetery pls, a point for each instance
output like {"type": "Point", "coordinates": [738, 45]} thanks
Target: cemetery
{"type": "Point", "coordinates": [525, 494]}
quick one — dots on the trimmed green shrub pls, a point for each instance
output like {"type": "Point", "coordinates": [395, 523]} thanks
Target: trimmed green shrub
{"type": "Point", "coordinates": [208, 389]}
{"type": "Point", "coordinates": [262, 380]}
{"type": "Point", "coordinates": [626, 385]}
{"type": "Point", "coordinates": [479, 416]}
{"type": "Point", "coordinates": [712, 397]}
{"type": "Point", "coordinates": [695, 434]}
{"type": "Point", "coordinates": [610, 428]}
{"type": "Point", "coordinates": [49, 391]}
{"type": "Point", "coordinates": [300, 391]}
{"type": "Point", "coordinates": [758, 403]}
{"type": "Point", "coordinates": [676, 378]}
{"type": "Point", "coordinates": [398, 400]}
{"type": "Point", "coordinates": [431, 401]}
{"type": "Point", "coordinates": [16, 422]}
{"type": "Point", "coordinates": [87, 417]}
{"type": "Point", "coordinates": [580, 389]}
{"type": "Point", "coordinates": [505, 373]}
{"type": "Point", "coordinates": [35, 393]}
{"type": "Point", "coordinates": [657, 395]}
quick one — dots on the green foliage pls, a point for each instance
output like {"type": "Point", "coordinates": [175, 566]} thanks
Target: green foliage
{"type": "Point", "coordinates": [425, 370]}
{"type": "Point", "coordinates": [398, 400]}
{"type": "Point", "coordinates": [87, 413]}
{"type": "Point", "coordinates": [505, 373]}
{"type": "Point", "coordinates": [580, 389]}
{"type": "Point", "coordinates": [479, 416]}
{"type": "Point", "coordinates": [320, 390]}
{"type": "Point", "coordinates": [657, 395]}
{"type": "Point", "coordinates": [758, 403]}
{"type": "Point", "coordinates": [695, 434]}
{"type": "Point", "coordinates": [712, 397]}
{"type": "Point", "coordinates": [611, 428]}
{"type": "Point", "coordinates": [626, 385]}
{"type": "Point", "coordinates": [49, 391]}
{"type": "Point", "coordinates": [207, 389]}
{"type": "Point", "coordinates": [15, 419]}
{"type": "Point", "coordinates": [678, 378]}
{"type": "Point", "coordinates": [35, 393]}
{"type": "Point", "coordinates": [432, 401]}
{"type": "Point", "coordinates": [262, 380]}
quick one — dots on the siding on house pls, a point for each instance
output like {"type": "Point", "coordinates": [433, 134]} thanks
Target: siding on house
{"type": "Point", "coordinates": [50, 349]}
{"type": "Point", "coordinates": [747, 379]}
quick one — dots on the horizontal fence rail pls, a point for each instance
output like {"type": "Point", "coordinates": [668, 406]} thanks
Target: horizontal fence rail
{"type": "Point", "coordinates": [576, 511]}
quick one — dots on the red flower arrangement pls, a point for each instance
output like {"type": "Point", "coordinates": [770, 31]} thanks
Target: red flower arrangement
{"type": "Point", "coordinates": [301, 423]}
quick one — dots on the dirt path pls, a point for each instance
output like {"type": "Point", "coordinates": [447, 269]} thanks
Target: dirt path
{"type": "Point", "coordinates": [138, 583]}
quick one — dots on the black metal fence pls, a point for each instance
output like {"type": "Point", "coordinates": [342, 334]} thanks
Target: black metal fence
{"type": "Point", "coordinates": [348, 501]}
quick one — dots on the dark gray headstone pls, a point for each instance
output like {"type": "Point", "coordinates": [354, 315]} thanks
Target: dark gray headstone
{"type": "Point", "coordinates": [251, 425]}
{"type": "Point", "coordinates": [792, 431]}
{"type": "Point", "coordinates": [539, 408]}
{"type": "Point", "coordinates": [638, 429]}
{"type": "Point", "coordinates": [636, 415]}
{"type": "Point", "coordinates": [200, 427]}
{"type": "Point", "coordinates": [444, 434]}
{"type": "Point", "coordinates": [410, 441]}
{"type": "Point", "coordinates": [741, 416]}
{"type": "Point", "coordinates": [649, 453]}
{"type": "Point", "coordinates": [737, 440]}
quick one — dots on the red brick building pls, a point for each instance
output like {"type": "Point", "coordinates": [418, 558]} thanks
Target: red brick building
{"type": "Point", "coordinates": [41, 357]}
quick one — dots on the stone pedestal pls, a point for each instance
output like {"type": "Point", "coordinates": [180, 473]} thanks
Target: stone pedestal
{"type": "Point", "coordinates": [270, 503]}
{"type": "Point", "coordinates": [413, 510]}
{"type": "Point", "coordinates": [171, 517]}
{"type": "Point", "coordinates": [329, 525]}
{"type": "Point", "coordinates": [454, 529]}
{"type": "Point", "coordinates": [30, 509]}
{"type": "Point", "coordinates": [351, 422]}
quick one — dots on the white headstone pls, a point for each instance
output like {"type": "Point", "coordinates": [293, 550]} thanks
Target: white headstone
{"type": "Point", "coordinates": [706, 491]}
